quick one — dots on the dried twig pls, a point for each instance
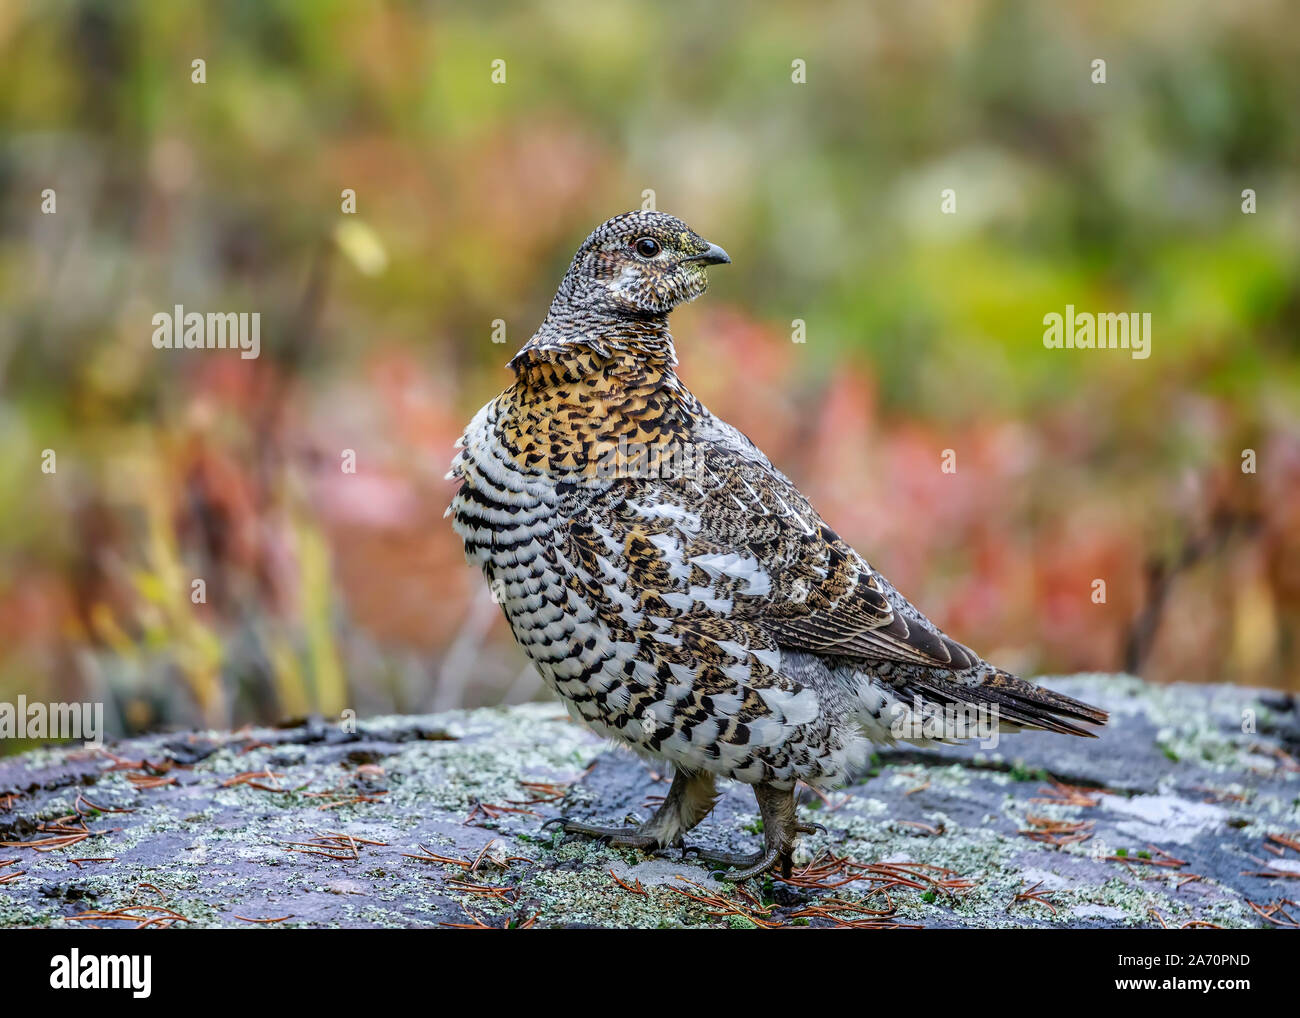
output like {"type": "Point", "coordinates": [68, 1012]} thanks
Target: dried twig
{"type": "Point", "coordinates": [638, 889]}
{"type": "Point", "coordinates": [1057, 833]}
{"type": "Point", "coordinates": [541, 791]}
{"type": "Point", "coordinates": [1215, 796]}
{"type": "Point", "coordinates": [1033, 894]}
{"type": "Point", "coordinates": [338, 798]}
{"type": "Point", "coordinates": [249, 778]}
{"type": "Point", "coordinates": [479, 924]}
{"type": "Point", "coordinates": [721, 907]}
{"type": "Point", "coordinates": [429, 856]}
{"type": "Point", "coordinates": [82, 800]}
{"type": "Point", "coordinates": [1061, 794]}
{"type": "Point", "coordinates": [1291, 841]}
{"type": "Point", "coordinates": [163, 917]}
{"type": "Point", "coordinates": [1271, 911]}
{"type": "Point", "coordinates": [1272, 874]}
{"type": "Point", "coordinates": [492, 812]}
{"type": "Point", "coordinates": [1166, 860]}
{"type": "Point", "coordinates": [486, 890]}
{"type": "Point", "coordinates": [142, 780]}
{"type": "Point", "coordinates": [50, 844]}
{"type": "Point", "coordinates": [332, 845]}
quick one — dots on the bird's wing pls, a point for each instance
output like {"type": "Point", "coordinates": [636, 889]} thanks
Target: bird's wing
{"type": "Point", "coordinates": [757, 551]}
{"type": "Point", "coordinates": [761, 546]}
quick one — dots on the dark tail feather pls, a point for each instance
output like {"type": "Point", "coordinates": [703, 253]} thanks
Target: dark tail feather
{"type": "Point", "coordinates": [1017, 702]}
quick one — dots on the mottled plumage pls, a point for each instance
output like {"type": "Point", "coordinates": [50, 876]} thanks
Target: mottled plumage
{"type": "Point", "coordinates": [674, 588]}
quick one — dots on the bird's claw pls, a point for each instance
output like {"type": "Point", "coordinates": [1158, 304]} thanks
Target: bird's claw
{"type": "Point", "coordinates": [771, 857]}
{"type": "Point", "coordinates": [621, 837]}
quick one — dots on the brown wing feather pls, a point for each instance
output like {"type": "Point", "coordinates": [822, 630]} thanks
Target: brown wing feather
{"type": "Point", "coordinates": [826, 600]}
{"type": "Point", "coordinates": [1017, 701]}
{"type": "Point", "coordinates": [862, 623]}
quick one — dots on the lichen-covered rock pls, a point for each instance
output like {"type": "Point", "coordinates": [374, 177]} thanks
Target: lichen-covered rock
{"type": "Point", "coordinates": [1184, 811]}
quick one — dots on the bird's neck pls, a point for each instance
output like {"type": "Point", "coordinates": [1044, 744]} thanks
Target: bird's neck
{"type": "Point", "coordinates": [583, 387]}
{"type": "Point", "coordinates": [572, 343]}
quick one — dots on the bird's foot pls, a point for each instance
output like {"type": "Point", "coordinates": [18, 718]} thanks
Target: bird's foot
{"type": "Point", "coordinates": [742, 866]}
{"type": "Point", "coordinates": [753, 864]}
{"type": "Point", "coordinates": [781, 828]}
{"type": "Point", "coordinates": [618, 837]}
{"type": "Point", "coordinates": [688, 800]}
{"type": "Point", "coordinates": [770, 858]}
{"type": "Point", "coordinates": [731, 860]}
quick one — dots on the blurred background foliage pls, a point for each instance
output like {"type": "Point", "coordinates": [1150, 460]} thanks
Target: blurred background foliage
{"type": "Point", "coordinates": [327, 590]}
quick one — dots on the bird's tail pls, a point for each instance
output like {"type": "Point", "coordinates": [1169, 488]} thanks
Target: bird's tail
{"type": "Point", "coordinates": [1018, 704]}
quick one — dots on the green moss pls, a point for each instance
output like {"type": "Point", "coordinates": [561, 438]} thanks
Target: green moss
{"type": "Point", "coordinates": [1019, 772]}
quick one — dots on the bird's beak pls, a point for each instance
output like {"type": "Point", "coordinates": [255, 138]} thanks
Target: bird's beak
{"type": "Point", "coordinates": [714, 255]}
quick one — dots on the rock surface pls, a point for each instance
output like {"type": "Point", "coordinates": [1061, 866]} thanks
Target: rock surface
{"type": "Point", "coordinates": [1169, 820]}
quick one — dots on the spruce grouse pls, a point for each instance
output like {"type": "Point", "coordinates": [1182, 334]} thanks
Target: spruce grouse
{"type": "Point", "coordinates": [675, 589]}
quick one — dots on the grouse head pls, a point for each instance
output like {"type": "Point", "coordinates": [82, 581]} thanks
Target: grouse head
{"type": "Point", "coordinates": [639, 264]}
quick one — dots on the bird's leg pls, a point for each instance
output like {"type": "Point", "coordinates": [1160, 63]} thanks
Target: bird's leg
{"type": "Point", "coordinates": [688, 801]}
{"type": "Point", "coordinates": [780, 829]}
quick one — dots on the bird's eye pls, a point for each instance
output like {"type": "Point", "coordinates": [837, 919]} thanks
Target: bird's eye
{"type": "Point", "coordinates": [647, 247]}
